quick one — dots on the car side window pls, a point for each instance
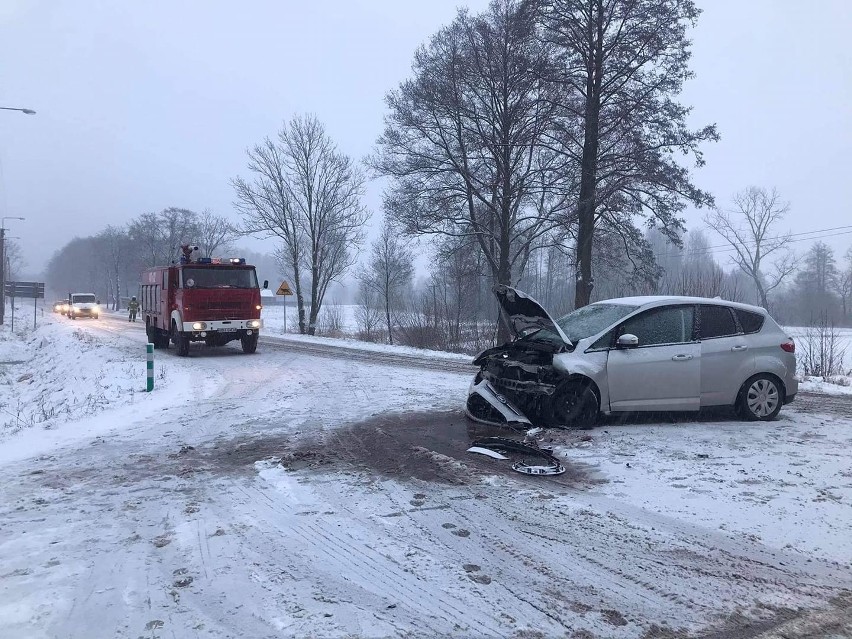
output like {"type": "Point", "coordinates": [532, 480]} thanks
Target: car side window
{"type": "Point", "coordinates": [750, 322]}
{"type": "Point", "coordinates": [716, 321]}
{"type": "Point", "coordinates": [667, 325]}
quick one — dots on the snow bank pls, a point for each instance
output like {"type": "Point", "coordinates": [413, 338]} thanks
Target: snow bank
{"type": "Point", "coordinates": [838, 385]}
{"type": "Point", "coordinates": [62, 373]}
{"type": "Point", "coordinates": [354, 344]}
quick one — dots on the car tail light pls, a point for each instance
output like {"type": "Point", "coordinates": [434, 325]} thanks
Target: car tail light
{"type": "Point", "coordinates": [789, 346]}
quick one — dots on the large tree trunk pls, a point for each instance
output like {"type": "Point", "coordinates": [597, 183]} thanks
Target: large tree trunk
{"type": "Point", "coordinates": [588, 174]}
{"type": "Point", "coordinates": [388, 319]}
{"type": "Point", "coordinates": [315, 303]}
{"type": "Point", "coordinates": [300, 299]}
{"type": "Point", "coordinates": [503, 276]}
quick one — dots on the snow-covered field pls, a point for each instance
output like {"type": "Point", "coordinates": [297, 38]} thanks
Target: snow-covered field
{"type": "Point", "coordinates": [342, 315]}
{"type": "Point", "coordinates": [837, 384]}
{"type": "Point", "coordinates": [291, 494]}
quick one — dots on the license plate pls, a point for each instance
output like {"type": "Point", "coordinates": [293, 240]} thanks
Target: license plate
{"type": "Point", "coordinates": [227, 330]}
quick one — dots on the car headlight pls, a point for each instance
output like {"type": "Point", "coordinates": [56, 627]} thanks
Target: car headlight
{"type": "Point", "coordinates": [199, 326]}
{"type": "Point", "coordinates": [254, 323]}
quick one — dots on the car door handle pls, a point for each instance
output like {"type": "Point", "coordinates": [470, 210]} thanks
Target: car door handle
{"type": "Point", "coordinates": [739, 347]}
{"type": "Point", "coordinates": [681, 358]}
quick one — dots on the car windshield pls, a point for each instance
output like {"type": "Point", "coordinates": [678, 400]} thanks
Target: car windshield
{"type": "Point", "coordinates": [591, 320]}
{"type": "Point", "coordinates": [219, 277]}
{"type": "Point", "coordinates": [84, 299]}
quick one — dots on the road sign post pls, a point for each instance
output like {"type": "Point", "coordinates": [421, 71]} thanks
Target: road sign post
{"type": "Point", "coordinates": [34, 290]}
{"type": "Point", "coordinates": [284, 290]}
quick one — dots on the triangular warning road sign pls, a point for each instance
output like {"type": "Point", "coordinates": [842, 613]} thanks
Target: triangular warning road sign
{"type": "Point", "coordinates": [284, 289]}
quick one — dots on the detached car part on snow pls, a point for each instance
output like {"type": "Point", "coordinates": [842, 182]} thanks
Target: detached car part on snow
{"type": "Point", "coordinates": [629, 355]}
{"type": "Point", "coordinates": [498, 445]}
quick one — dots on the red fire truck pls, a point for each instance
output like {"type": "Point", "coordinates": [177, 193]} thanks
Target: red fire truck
{"type": "Point", "coordinates": [214, 301]}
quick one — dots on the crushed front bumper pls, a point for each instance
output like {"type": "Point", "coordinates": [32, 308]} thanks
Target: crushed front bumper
{"type": "Point", "coordinates": [487, 406]}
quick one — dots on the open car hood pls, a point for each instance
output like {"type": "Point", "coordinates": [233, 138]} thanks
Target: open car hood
{"type": "Point", "coordinates": [524, 314]}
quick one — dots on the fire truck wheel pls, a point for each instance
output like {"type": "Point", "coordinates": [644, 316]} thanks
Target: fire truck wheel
{"type": "Point", "coordinates": [181, 341]}
{"type": "Point", "coordinates": [249, 343]}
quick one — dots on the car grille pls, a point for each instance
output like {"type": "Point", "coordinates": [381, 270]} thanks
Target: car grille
{"type": "Point", "coordinates": [523, 386]}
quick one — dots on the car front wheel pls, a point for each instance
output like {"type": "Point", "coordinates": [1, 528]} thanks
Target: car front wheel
{"type": "Point", "coordinates": [249, 343]}
{"type": "Point", "coordinates": [181, 341]}
{"type": "Point", "coordinates": [575, 405]}
{"type": "Point", "coordinates": [760, 398]}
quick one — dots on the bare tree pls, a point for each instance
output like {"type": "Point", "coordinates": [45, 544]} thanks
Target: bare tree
{"type": "Point", "coordinates": [389, 270]}
{"type": "Point", "coordinates": [844, 285]}
{"type": "Point", "coordinates": [751, 228]}
{"type": "Point", "coordinates": [308, 194]}
{"type": "Point", "coordinates": [178, 226]}
{"type": "Point", "coordinates": [622, 64]}
{"type": "Point", "coordinates": [146, 236]}
{"type": "Point", "coordinates": [14, 260]}
{"type": "Point", "coordinates": [368, 315]}
{"type": "Point", "coordinates": [464, 139]}
{"type": "Point", "coordinates": [266, 207]}
{"type": "Point", "coordinates": [214, 233]}
{"type": "Point", "coordinates": [119, 268]}
{"type": "Point", "coordinates": [157, 236]}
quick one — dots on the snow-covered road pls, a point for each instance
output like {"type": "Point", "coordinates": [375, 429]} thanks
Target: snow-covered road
{"type": "Point", "coordinates": [290, 493]}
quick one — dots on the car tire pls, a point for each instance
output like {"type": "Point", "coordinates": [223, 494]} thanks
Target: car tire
{"type": "Point", "coordinates": [574, 405]}
{"type": "Point", "coordinates": [760, 398]}
{"type": "Point", "coordinates": [249, 343]}
{"type": "Point", "coordinates": [181, 341]}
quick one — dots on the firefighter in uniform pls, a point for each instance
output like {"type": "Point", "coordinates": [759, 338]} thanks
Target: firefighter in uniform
{"type": "Point", "coordinates": [132, 307]}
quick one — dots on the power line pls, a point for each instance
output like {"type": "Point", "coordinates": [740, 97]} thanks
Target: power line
{"type": "Point", "coordinates": [725, 248]}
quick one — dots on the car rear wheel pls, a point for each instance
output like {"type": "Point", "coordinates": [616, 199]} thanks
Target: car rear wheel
{"type": "Point", "coordinates": [760, 398]}
{"type": "Point", "coordinates": [575, 405]}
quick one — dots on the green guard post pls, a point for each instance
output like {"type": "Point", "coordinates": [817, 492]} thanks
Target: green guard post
{"type": "Point", "coordinates": [149, 349]}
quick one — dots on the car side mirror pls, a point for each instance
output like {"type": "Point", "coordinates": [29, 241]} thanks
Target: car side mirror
{"type": "Point", "coordinates": [265, 283]}
{"type": "Point", "coordinates": [628, 340]}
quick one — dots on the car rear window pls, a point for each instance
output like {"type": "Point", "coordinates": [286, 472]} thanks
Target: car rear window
{"type": "Point", "coordinates": [716, 321]}
{"type": "Point", "coordinates": [751, 322]}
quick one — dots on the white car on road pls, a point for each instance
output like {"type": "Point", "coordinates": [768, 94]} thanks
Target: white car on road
{"type": "Point", "coordinates": [83, 305]}
{"type": "Point", "coordinates": [633, 354]}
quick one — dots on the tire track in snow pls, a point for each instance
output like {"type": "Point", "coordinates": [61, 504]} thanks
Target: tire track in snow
{"type": "Point", "coordinates": [387, 578]}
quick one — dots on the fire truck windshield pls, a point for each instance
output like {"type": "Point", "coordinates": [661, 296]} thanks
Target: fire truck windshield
{"type": "Point", "coordinates": [219, 277]}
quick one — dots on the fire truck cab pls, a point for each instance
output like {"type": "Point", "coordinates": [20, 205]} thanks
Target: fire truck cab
{"type": "Point", "coordinates": [214, 301]}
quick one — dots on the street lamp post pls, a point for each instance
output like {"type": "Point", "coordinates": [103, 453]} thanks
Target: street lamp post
{"type": "Point", "coordinates": [3, 264]}
{"type": "Point", "coordinates": [3, 237]}
{"type": "Point", "coordinates": [27, 111]}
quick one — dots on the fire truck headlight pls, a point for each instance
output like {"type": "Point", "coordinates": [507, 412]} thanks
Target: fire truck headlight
{"type": "Point", "coordinates": [254, 323]}
{"type": "Point", "coordinates": [258, 307]}
{"type": "Point", "coordinates": [199, 326]}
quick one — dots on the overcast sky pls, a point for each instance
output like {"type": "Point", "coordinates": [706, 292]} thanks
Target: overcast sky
{"type": "Point", "coordinates": [145, 105]}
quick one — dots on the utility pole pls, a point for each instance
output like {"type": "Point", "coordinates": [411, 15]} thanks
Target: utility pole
{"type": "Point", "coordinates": [3, 275]}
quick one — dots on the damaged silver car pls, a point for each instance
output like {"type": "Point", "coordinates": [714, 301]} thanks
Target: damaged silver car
{"type": "Point", "coordinates": [632, 354]}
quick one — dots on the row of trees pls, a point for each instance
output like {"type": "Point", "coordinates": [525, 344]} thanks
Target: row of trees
{"type": "Point", "coordinates": [453, 309]}
{"type": "Point", "coordinates": [110, 262]}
